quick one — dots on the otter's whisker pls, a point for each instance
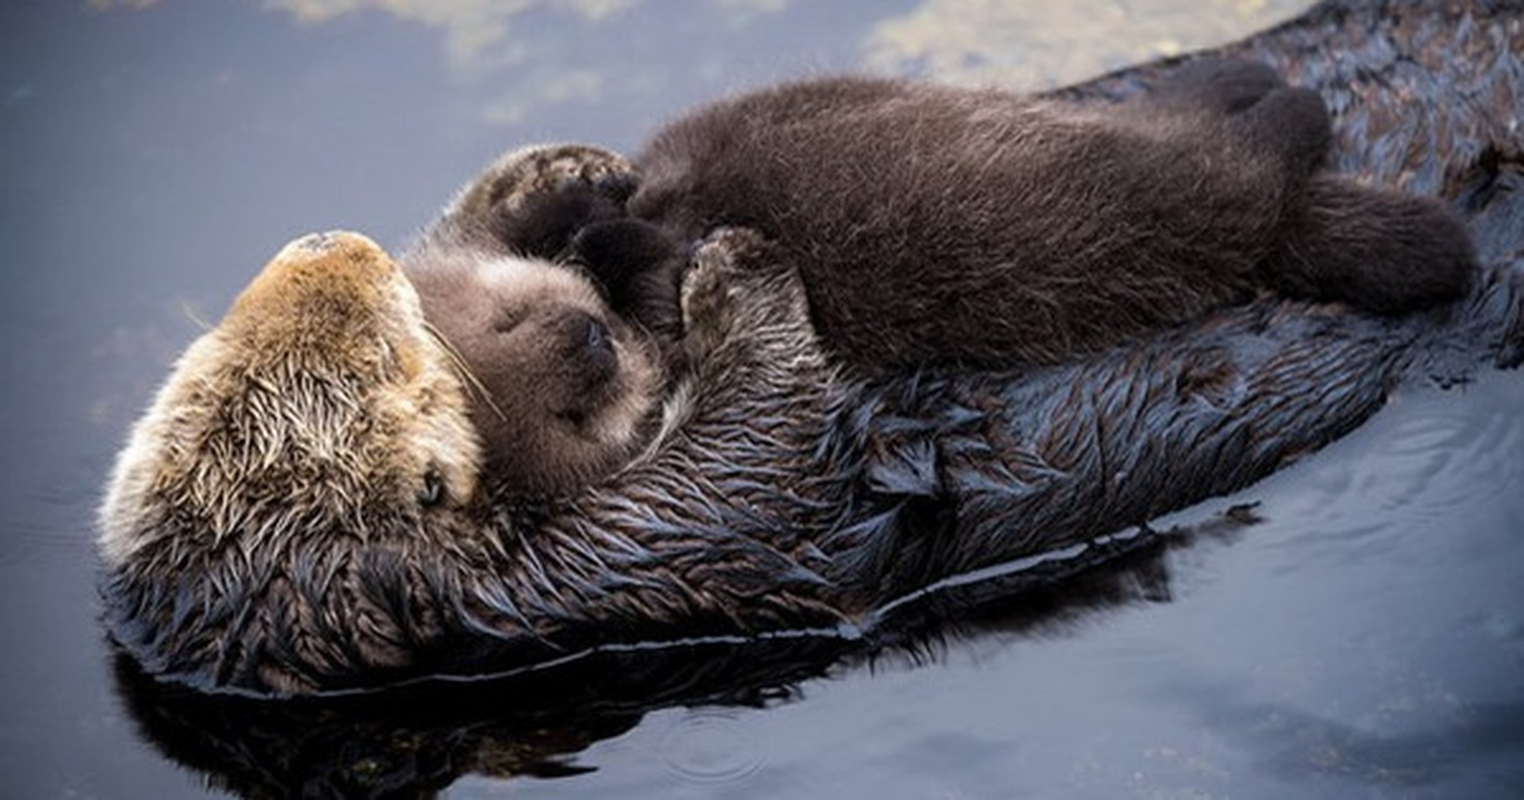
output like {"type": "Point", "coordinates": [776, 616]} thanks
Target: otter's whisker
{"type": "Point", "coordinates": [195, 317]}
{"type": "Point", "coordinates": [464, 370]}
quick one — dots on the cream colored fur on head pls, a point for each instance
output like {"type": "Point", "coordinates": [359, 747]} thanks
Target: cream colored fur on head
{"type": "Point", "coordinates": [320, 397]}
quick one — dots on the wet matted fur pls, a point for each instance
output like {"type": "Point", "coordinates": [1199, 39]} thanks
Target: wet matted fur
{"type": "Point", "coordinates": [301, 513]}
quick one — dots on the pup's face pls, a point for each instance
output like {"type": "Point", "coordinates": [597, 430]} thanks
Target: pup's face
{"type": "Point", "coordinates": [562, 391]}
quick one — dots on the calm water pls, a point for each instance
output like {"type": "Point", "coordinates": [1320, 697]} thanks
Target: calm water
{"type": "Point", "coordinates": [1365, 640]}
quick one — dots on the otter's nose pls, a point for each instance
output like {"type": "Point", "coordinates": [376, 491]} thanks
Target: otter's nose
{"type": "Point", "coordinates": [329, 244]}
{"type": "Point", "coordinates": [599, 338]}
{"type": "Point", "coordinates": [590, 347]}
{"type": "Point", "coordinates": [319, 273]}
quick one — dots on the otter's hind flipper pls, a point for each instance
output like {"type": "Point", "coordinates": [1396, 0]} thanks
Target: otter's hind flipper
{"type": "Point", "coordinates": [1291, 122]}
{"type": "Point", "coordinates": [1222, 85]}
{"type": "Point", "coordinates": [1373, 248]}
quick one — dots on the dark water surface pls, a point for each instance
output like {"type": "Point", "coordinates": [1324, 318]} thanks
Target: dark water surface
{"type": "Point", "coordinates": [1366, 639]}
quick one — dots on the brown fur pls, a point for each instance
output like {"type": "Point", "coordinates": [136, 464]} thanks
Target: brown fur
{"type": "Point", "coordinates": [930, 225]}
{"type": "Point", "coordinates": [301, 507]}
{"type": "Point", "coordinates": [938, 224]}
{"type": "Point", "coordinates": [303, 397]}
{"type": "Point", "coordinates": [563, 390]}
{"type": "Point", "coordinates": [318, 417]}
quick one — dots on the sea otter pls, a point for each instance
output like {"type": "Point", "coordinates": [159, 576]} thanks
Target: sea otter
{"type": "Point", "coordinates": [979, 227]}
{"type": "Point", "coordinates": [932, 225]}
{"type": "Point", "coordinates": [317, 490]}
{"type": "Point", "coordinates": [302, 508]}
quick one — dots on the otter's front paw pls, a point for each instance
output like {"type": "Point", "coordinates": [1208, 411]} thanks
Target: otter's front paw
{"type": "Point", "coordinates": [533, 201]}
{"type": "Point", "coordinates": [637, 267]}
{"type": "Point", "coordinates": [706, 288]}
{"type": "Point", "coordinates": [740, 285]}
{"type": "Point", "coordinates": [546, 169]}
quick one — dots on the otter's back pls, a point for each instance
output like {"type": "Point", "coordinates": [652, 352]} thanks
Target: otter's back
{"type": "Point", "coordinates": [1054, 228]}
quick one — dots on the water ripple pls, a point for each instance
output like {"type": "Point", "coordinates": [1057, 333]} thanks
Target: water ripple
{"type": "Point", "coordinates": [712, 746]}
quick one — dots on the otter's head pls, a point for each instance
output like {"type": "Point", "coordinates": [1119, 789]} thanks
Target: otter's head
{"type": "Point", "coordinates": [563, 389]}
{"type": "Point", "coordinates": [305, 457]}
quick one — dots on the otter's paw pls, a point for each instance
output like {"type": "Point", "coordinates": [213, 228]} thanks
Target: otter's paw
{"type": "Point", "coordinates": [1291, 122]}
{"type": "Point", "coordinates": [706, 288]}
{"type": "Point", "coordinates": [1422, 253]}
{"type": "Point", "coordinates": [546, 169]}
{"type": "Point", "coordinates": [740, 284]}
{"type": "Point", "coordinates": [637, 267]}
{"type": "Point", "coordinates": [723, 263]}
{"type": "Point", "coordinates": [1375, 249]}
{"type": "Point", "coordinates": [720, 282]}
{"type": "Point", "coordinates": [533, 201]}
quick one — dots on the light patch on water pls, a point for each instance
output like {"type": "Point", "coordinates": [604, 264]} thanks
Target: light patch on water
{"type": "Point", "coordinates": [1039, 45]}
{"type": "Point", "coordinates": [738, 13]}
{"type": "Point", "coordinates": [1022, 45]}
{"type": "Point", "coordinates": [20, 95]}
{"type": "Point", "coordinates": [135, 5]}
{"type": "Point", "coordinates": [497, 38]}
{"type": "Point", "coordinates": [474, 27]}
{"type": "Point", "coordinates": [567, 86]}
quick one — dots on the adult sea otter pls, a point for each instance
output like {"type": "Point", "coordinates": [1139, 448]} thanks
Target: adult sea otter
{"type": "Point", "coordinates": [301, 510]}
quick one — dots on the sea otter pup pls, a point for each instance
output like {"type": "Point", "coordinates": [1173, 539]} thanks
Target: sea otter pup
{"type": "Point", "coordinates": [563, 390]}
{"type": "Point", "coordinates": [978, 227]}
{"type": "Point", "coordinates": [931, 225]}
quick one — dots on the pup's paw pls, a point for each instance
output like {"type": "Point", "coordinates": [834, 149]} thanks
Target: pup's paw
{"type": "Point", "coordinates": [1293, 123]}
{"type": "Point", "coordinates": [1375, 249]}
{"type": "Point", "coordinates": [545, 169]}
{"type": "Point", "coordinates": [534, 200]}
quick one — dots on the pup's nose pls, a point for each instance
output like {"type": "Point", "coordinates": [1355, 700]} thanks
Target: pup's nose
{"type": "Point", "coordinates": [589, 346]}
{"type": "Point", "coordinates": [599, 338]}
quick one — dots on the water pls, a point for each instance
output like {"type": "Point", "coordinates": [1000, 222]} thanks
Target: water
{"type": "Point", "coordinates": [1366, 639]}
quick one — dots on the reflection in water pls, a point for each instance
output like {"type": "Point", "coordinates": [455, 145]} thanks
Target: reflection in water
{"type": "Point", "coordinates": [1392, 662]}
{"type": "Point", "coordinates": [418, 739]}
{"type": "Point", "coordinates": [425, 737]}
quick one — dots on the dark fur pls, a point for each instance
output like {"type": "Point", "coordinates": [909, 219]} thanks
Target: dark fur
{"type": "Point", "coordinates": [563, 389]}
{"type": "Point", "coordinates": [930, 225]}
{"type": "Point", "coordinates": [934, 224]}
{"type": "Point", "coordinates": [795, 500]}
